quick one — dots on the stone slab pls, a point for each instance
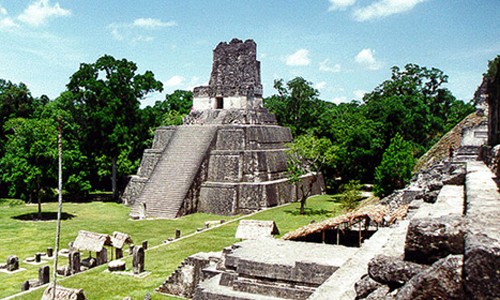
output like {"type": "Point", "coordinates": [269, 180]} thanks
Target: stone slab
{"type": "Point", "coordinates": [450, 201]}
{"type": "Point", "coordinates": [387, 240]}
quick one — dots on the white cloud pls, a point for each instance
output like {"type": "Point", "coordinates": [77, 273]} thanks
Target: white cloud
{"type": "Point", "coordinates": [340, 99]}
{"type": "Point", "coordinates": [174, 81]}
{"type": "Point", "coordinates": [367, 59]}
{"type": "Point", "coordinates": [38, 12]}
{"type": "Point", "coordinates": [115, 31]}
{"type": "Point", "coordinates": [320, 85]}
{"type": "Point", "coordinates": [340, 4]}
{"type": "Point", "coordinates": [325, 66]}
{"type": "Point", "coordinates": [384, 8]}
{"type": "Point", "coordinates": [133, 31]}
{"type": "Point", "coordinates": [142, 39]}
{"type": "Point", "coordinates": [358, 94]}
{"type": "Point", "coordinates": [150, 23]}
{"type": "Point", "coordinates": [299, 58]}
{"type": "Point", "coordinates": [195, 81]}
{"type": "Point", "coordinates": [7, 23]}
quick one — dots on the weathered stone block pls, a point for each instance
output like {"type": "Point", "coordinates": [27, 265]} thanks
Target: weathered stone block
{"type": "Point", "coordinates": [430, 239]}
{"type": "Point", "coordinates": [392, 270]}
{"type": "Point", "coordinates": [443, 280]}
{"type": "Point", "coordinates": [162, 136]}
{"type": "Point", "coordinates": [116, 265]}
{"type": "Point", "coordinates": [230, 139]}
{"type": "Point", "coordinates": [218, 199]}
{"type": "Point", "coordinates": [380, 293]}
{"type": "Point", "coordinates": [482, 267]}
{"type": "Point", "coordinates": [74, 263]}
{"type": "Point", "coordinates": [44, 275]}
{"type": "Point", "coordinates": [365, 286]}
{"type": "Point", "coordinates": [12, 263]}
{"type": "Point", "coordinates": [456, 178]}
{"type": "Point", "coordinates": [138, 260]}
{"type": "Point", "coordinates": [224, 167]}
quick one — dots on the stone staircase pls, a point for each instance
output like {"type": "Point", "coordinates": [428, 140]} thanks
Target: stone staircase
{"type": "Point", "coordinates": [467, 153]}
{"type": "Point", "coordinates": [166, 189]}
{"type": "Point", "coordinates": [182, 282]}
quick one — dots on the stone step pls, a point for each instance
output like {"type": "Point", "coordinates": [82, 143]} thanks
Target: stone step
{"type": "Point", "coordinates": [210, 289]}
{"type": "Point", "coordinates": [171, 179]}
{"type": "Point", "coordinates": [287, 291]}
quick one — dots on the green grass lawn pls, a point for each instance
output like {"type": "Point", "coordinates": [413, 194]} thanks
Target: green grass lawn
{"type": "Point", "coordinates": [25, 238]}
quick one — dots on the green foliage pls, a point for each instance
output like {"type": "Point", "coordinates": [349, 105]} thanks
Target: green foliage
{"type": "Point", "coordinates": [30, 150]}
{"type": "Point", "coordinates": [89, 216]}
{"type": "Point", "coordinates": [296, 106]}
{"type": "Point", "coordinates": [351, 195]}
{"type": "Point", "coordinates": [493, 67]}
{"type": "Point", "coordinates": [412, 103]}
{"type": "Point", "coordinates": [105, 97]}
{"type": "Point", "coordinates": [395, 169]}
{"type": "Point", "coordinates": [309, 155]}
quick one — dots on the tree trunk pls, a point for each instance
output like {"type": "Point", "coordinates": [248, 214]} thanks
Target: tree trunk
{"type": "Point", "coordinates": [302, 205]}
{"type": "Point", "coordinates": [303, 199]}
{"type": "Point", "coordinates": [39, 200]}
{"type": "Point", "coordinates": [113, 179]}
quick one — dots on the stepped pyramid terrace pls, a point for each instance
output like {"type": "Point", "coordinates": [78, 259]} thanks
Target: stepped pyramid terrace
{"type": "Point", "coordinates": [229, 155]}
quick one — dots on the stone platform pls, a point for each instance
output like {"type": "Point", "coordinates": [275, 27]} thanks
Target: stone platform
{"type": "Point", "coordinates": [274, 268]}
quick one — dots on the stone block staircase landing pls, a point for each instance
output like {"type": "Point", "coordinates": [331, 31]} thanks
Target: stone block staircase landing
{"type": "Point", "coordinates": [168, 185]}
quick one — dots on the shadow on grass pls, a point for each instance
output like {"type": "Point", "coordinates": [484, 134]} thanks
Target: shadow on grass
{"type": "Point", "coordinates": [46, 216]}
{"type": "Point", "coordinates": [309, 212]}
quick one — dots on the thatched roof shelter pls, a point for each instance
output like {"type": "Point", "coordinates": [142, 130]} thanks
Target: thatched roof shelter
{"type": "Point", "coordinates": [374, 213]}
{"type": "Point", "coordinates": [119, 239]}
{"type": "Point", "coordinates": [91, 241]}
{"type": "Point", "coordinates": [256, 229]}
{"type": "Point", "coordinates": [63, 293]}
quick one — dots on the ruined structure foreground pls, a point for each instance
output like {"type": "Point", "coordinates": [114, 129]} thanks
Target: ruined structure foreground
{"type": "Point", "coordinates": [229, 155]}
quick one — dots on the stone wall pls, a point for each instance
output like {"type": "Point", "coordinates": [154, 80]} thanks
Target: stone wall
{"type": "Point", "coordinates": [149, 160]}
{"type": "Point", "coordinates": [492, 91]}
{"type": "Point", "coordinates": [235, 78]}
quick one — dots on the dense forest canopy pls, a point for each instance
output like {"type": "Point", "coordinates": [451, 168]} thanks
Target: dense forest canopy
{"type": "Point", "coordinates": [105, 130]}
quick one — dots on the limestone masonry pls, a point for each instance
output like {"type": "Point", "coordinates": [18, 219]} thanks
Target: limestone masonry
{"type": "Point", "coordinates": [229, 155]}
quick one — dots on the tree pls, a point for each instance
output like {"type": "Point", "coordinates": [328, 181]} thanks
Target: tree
{"type": "Point", "coordinates": [350, 194]}
{"type": "Point", "coordinates": [395, 169]}
{"type": "Point", "coordinates": [29, 160]}
{"type": "Point", "coordinates": [106, 97]}
{"type": "Point", "coordinates": [15, 102]}
{"type": "Point", "coordinates": [308, 155]}
{"type": "Point", "coordinates": [296, 106]}
{"type": "Point", "coordinates": [414, 104]}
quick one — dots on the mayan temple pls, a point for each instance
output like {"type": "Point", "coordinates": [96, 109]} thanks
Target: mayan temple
{"type": "Point", "coordinates": [229, 155]}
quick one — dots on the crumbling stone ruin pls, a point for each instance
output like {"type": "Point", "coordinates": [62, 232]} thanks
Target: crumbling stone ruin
{"type": "Point", "coordinates": [11, 265]}
{"type": "Point", "coordinates": [43, 278]}
{"type": "Point", "coordinates": [138, 260]}
{"type": "Point", "coordinates": [447, 246]}
{"type": "Point", "coordinates": [63, 293]}
{"type": "Point", "coordinates": [194, 269]}
{"type": "Point", "coordinates": [228, 157]}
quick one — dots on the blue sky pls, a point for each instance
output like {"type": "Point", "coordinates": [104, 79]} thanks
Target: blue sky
{"type": "Point", "coordinates": [344, 47]}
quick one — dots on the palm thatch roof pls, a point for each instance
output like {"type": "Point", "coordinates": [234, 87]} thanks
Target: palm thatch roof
{"type": "Point", "coordinates": [375, 213]}
{"type": "Point", "coordinates": [63, 293]}
{"type": "Point", "coordinates": [256, 229]}
{"type": "Point", "coordinates": [119, 239]}
{"type": "Point", "coordinates": [91, 241]}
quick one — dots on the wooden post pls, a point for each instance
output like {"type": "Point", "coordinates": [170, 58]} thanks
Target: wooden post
{"type": "Point", "coordinates": [59, 206]}
{"type": "Point", "coordinates": [338, 235]}
{"type": "Point", "coordinates": [323, 233]}
{"type": "Point", "coordinates": [359, 232]}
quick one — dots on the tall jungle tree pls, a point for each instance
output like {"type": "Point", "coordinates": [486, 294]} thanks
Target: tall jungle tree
{"type": "Point", "coordinates": [106, 96]}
